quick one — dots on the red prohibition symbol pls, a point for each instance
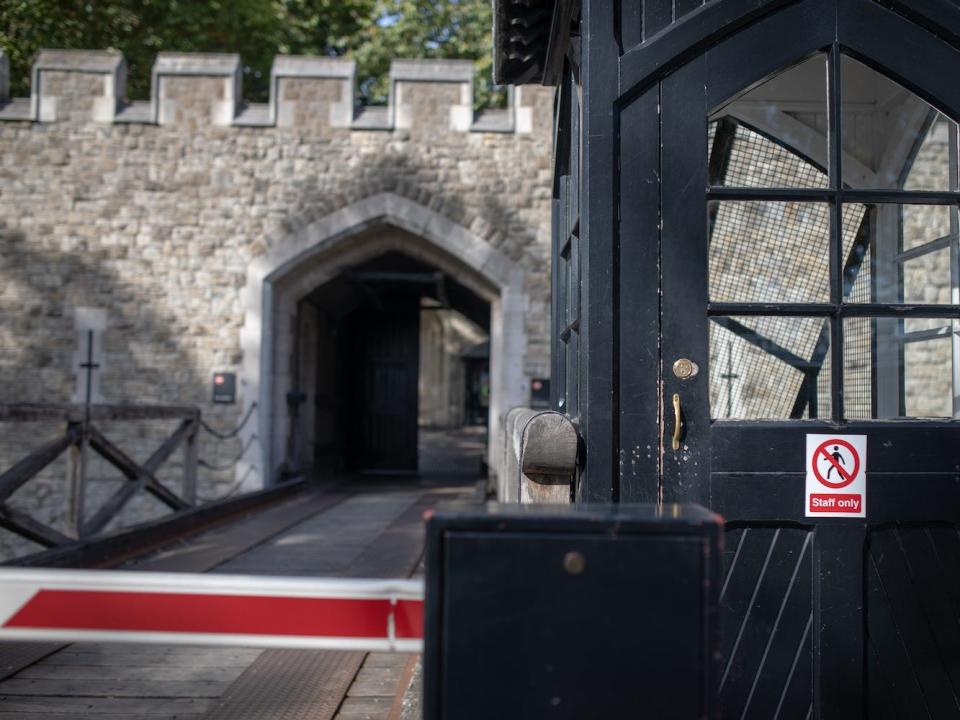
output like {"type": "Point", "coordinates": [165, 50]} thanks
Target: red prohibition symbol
{"type": "Point", "coordinates": [829, 450]}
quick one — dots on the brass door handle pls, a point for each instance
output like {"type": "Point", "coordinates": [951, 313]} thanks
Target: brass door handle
{"type": "Point", "coordinates": [677, 421]}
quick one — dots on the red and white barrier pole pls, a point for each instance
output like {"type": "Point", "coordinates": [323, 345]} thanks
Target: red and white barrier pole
{"type": "Point", "coordinates": [215, 610]}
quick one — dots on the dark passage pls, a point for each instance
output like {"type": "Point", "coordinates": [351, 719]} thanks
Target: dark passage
{"type": "Point", "coordinates": [386, 350]}
{"type": "Point", "coordinates": [381, 411]}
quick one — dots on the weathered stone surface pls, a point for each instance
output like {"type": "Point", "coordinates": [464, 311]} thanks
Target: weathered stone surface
{"type": "Point", "coordinates": [77, 85]}
{"type": "Point", "coordinates": [160, 223]}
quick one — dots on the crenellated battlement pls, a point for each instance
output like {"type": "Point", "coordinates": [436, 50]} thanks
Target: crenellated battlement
{"type": "Point", "coordinates": [196, 89]}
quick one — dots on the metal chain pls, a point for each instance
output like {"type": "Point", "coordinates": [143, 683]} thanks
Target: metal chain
{"type": "Point", "coordinates": [232, 433]}
{"type": "Point", "coordinates": [226, 466]}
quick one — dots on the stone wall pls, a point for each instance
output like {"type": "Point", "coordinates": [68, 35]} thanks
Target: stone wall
{"type": "Point", "coordinates": [156, 211]}
{"type": "Point", "coordinates": [445, 337]}
{"type": "Point", "coordinates": [928, 365]}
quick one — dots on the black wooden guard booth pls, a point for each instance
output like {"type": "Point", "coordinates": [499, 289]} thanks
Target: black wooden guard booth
{"type": "Point", "coordinates": [757, 244]}
{"type": "Point", "coordinates": [571, 612]}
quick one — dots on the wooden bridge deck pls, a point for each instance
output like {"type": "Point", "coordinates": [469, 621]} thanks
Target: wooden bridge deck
{"type": "Point", "coordinates": [361, 528]}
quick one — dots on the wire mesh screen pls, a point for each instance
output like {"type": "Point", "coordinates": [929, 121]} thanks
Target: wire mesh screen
{"type": "Point", "coordinates": [757, 369]}
{"type": "Point", "coordinates": [771, 252]}
{"type": "Point", "coordinates": [754, 160]}
{"type": "Point", "coordinates": [929, 168]}
{"type": "Point", "coordinates": [857, 336]}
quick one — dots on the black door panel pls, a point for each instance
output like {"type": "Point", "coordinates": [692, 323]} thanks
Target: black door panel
{"type": "Point", "coordinates": [823, 617]}
{"type": "Point", "coordinates": [386, 352]}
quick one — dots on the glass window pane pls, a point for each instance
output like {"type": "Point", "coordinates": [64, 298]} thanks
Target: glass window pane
{"type": "Point", "coordinates": [928, 385]}
{"type": "Point", "coordinates": [925, 223]}
{"type": "Point", "coordinates": [857, 255]}
{"type": "Point", "coordinates": [930, 169]}
{"type": "Point", "coordinates": [769, 251]}
{"type": "Point", "coordinates": [916, 325]}
{"type": "Point", "coordinates": [926, 278]}
{"type": "Point", "coordinates": [773, 368]}
{"type": "Point", "coordinates": [858, 369]}
{"type": "Point", "coordinates": [775, 134]}
{"type": "Point", "coordinates": [896, 368]}
{"type": "Point", "coordinates": [898, 253]}
{"type": "Point", "coordinates": [891, 138]}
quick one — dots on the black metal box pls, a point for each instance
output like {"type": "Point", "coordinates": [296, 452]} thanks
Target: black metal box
{"type": "Point", "coordinates": [584, 612]}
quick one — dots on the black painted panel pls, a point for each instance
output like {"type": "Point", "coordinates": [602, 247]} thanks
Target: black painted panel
{"type": "Point", "coordinates": [640, 20]}
{"type": "Point", "coordinates": [892, 446]}
{"type": "Point", "coordinates": [555, 657]}
{"type": "Point", "coordinates": [657, 15]}
{"type": "Point", "coordinates": [630, 16]}
{"type": "Point", "coordinates": [699, 30]}
{"type": "Point", "coordinates": [891, 497]}
{"type": "Point", "coordinates": [682, 7]}
{"type": "Point", "coordinates": [760, 497]}
{"type": "Point", "coordinates": [639, 279]}
{"type": "Point", "coordinates": [683, 251]}
{"type": "Point", "coordinates": [599, 288]}
{"type": "Point", "coordinates": [766, 615]}
{"type": "Point", "coordinates": [912, 622]}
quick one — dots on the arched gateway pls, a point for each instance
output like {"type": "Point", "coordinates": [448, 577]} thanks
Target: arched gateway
{"type": "Point", "coordinates": [317, 254]}
{"type": "Point", "coordinates": [207, 225]}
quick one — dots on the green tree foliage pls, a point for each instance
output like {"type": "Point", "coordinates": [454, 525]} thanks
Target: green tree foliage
{"type": "Point", "coordinates": [258, 29]}
{"type": "Point", "coordinates": [427, 29]}
{"type": "Point", "coordinates": [372, 31]}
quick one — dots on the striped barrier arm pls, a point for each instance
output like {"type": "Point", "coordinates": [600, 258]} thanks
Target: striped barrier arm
{"type": "Point", "coordinates": [213, 610]}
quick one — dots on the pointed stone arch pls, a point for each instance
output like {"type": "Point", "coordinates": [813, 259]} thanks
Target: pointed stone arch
{"type": "Point", "coordinates": [301, 260]}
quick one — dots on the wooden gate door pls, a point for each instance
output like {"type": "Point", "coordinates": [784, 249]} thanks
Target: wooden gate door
{"type": "Point", "coordinates": [801, 176]}
{"type": "Point", "coordinates": [387, 357]}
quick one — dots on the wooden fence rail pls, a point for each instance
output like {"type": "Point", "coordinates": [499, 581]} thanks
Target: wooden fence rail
{"type": "Point", "coordinates": [80, 437]}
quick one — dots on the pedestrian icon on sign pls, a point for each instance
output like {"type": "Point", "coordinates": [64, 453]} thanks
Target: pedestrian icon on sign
{"type": "Point", "coordinates": [835, 453]}
{"type": "Point", "coordinates": [837, 458]}
{"type": "Point", "coordinates": [836, 476]}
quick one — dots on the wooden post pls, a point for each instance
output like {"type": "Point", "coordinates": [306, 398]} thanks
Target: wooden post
{"type": "Point", "coordinates": [77, 479]}
{"type": "Point", "coordinates": [548, 458]}
{"type": "Point", "coordinates": [541, 457]}
{"type": "Point", "coordinates": [190, 456]}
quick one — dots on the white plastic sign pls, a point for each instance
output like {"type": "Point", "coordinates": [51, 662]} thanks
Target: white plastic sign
{"type": "Point", "coordinates": [836, 476]}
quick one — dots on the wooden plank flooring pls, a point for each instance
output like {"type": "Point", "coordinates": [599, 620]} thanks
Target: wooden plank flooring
{"type": "Point", "coordinates": [295, 684]}
{"type": "Point", "coordinates": [373, 693]}
{"type": "Point", "coordinates": [198, 553]}
{"type": "Point", "coordinates": [374, 529]}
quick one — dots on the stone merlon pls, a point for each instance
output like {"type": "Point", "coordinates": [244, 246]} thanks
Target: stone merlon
{"type": "Point", "coordinates": [194, 89]}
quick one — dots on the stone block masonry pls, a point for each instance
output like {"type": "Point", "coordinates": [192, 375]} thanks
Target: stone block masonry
{"type": "Point", "coordinates": [170, 214]}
